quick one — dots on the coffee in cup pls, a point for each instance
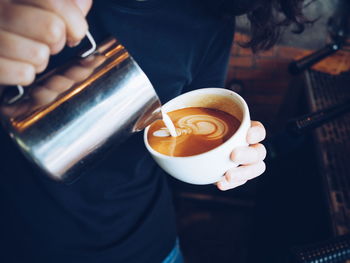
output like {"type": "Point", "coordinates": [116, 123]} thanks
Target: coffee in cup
{"type": "Point", "coordinates": [198, 130]}
{"type": "Point", "coordinates": [197, 161]}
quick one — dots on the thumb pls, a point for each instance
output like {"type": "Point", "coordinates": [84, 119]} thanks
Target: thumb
{"type": "Point", "coordinates": [84, 5]}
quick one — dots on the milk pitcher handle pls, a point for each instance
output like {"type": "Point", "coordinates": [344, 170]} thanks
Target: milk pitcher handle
{"type": "Point", "coordinates": [84, 55]}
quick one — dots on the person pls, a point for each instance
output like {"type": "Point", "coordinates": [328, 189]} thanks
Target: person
{"type": "Point", "coordinates": [120, 211]}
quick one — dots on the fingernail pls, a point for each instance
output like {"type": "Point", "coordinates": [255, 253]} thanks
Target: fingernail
{"type": "Point", "coordinates": [223, 185]}
{"type": "Point", "coordinates": [253, 135]}
{"type": "Point", "coordinates": [235, 155]}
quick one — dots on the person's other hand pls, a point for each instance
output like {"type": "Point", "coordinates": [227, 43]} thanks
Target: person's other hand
{"type": "Point", "coordinates": [250, 159]}
{"type": "Point", "coordinates": [32, 30]}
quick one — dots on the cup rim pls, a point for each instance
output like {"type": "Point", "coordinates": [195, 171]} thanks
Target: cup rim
{"type": "Point", "coordinates": [245, 118]}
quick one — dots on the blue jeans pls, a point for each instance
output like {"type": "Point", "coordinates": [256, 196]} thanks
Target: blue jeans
{"type": "Point", "coordinates": [175, 255]}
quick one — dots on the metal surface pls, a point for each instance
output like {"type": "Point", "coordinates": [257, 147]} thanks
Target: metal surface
{"type": "Point", "coordinates": [65, 119]}
{"type": "Point", "coordinates": [336, 250]}
{"type": "Point", "coordinates": [333, 144]}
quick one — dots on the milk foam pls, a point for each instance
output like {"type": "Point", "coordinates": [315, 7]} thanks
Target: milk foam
{"type": "Point", "coordinates": [209, 126]}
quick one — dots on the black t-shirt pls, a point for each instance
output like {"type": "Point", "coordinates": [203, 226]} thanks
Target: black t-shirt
{"type": "Point", "coordinates": [120, 211]}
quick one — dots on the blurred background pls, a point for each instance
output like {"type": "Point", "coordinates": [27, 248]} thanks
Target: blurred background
{"type": "Point", "coordinates": [299, 209]}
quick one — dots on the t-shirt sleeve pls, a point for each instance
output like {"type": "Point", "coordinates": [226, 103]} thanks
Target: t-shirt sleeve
{"type": "Point", "coordinates": [213, 67]}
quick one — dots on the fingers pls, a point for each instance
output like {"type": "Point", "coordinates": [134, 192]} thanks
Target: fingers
{"type": "Point", "coordinates": [248, 155]}
{"type": "Point", "coordinates": [15, 72]}
{"type": "Point", "coordinates": [256, 132]}
{"type": "Point", "coordinates": [250, 158]}
{"type": "Point", "coordinates": [224, 185]}
{"type": "Point", "coordinates": [71, 12]}
{"type": "Point", "coordinates": [35, 24]}
{"type": "Point", "coordinates": [244, 173]}
{"type": "Point", "coordinates": [240, 175]}
{"type": "Point", "coordinates": [31, 30]}
{"type": "Point", "coordinates": [22, 49]}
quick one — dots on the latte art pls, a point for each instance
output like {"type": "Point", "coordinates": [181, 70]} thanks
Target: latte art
{"type": "Point", "coordinates": [198, 130]}
{"type": "Point", "coordinates": [211, 127]}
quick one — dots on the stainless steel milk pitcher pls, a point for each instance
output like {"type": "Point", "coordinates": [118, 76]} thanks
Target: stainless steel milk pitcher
{"type": "Point", "coordinates": [65, 120]}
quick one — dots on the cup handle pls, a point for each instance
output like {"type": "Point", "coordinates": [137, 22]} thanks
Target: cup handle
{"type": "Point", "coordinates": [84, 55]}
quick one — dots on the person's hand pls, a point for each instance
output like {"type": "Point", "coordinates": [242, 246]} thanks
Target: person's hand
{"type": "Point", "coordinates": [250, 159]}
{"type": "Point", "coordinates": [32, 30]}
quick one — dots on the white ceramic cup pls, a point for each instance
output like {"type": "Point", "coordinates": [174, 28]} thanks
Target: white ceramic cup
{"type": "Point", "coordinates": [207, 167]}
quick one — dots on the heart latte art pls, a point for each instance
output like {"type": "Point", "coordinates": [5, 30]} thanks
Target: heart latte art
{"type": "Point", "coordinates": [199, 130]}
